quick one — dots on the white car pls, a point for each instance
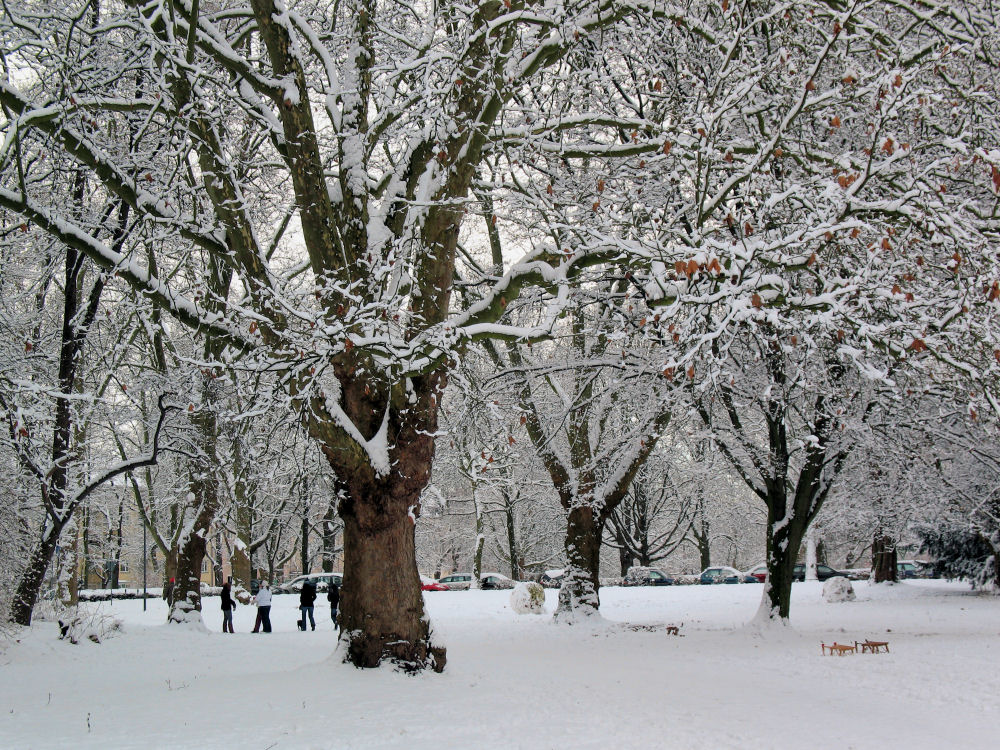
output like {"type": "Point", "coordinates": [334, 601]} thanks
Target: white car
{"type": "Point", "coordinates": [320, 580]}
{"type": "Point", "coordinates": [457, 581]}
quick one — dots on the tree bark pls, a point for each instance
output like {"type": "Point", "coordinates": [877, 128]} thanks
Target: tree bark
{"type": "Point", "coordinates": [304, 542]}
{"type": "Point", "coordinates": [203, 503]}
{"type": "Point", "coordinates": [625, 557]}
{"type": "Point", "coordinates": [381, 605]}
{"type": "Point", "coordinates": [30, 583]}
{"type": "Point", "coordinates": [579, 595]}
{"type": "Point", "coordinates": [510, 526]}
{"type": "Point", "coordinates": [810, 567]}
{"type": "Point", "coordinates": [477, 550]}
{"type": "Point", "coordinates": [883, 559]}
{"type": "Point", "coordinates": [170, 565]}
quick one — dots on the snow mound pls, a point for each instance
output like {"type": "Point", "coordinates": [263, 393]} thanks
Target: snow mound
{"type": "Point", "coordinates": [838, 589]}
{"type": "Point", "coordinates": [528, 598]}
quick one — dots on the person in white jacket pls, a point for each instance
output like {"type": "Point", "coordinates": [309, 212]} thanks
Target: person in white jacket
{"type": "Point", "coordinates": [263, 600]}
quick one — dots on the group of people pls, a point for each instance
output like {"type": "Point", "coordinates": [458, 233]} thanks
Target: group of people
{"type": "Point", "coordinates": [307, 599]}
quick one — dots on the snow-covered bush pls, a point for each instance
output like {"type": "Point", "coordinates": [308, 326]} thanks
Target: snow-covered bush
{"type": "Point", "coordinates": [48, 610]}
{"type": "Point", "coordinates": [241, 595]}
{"type": "Point", "coordinates": [75, 626]}
{"type": "Point", "coordinates": [838, 589]}
{"type": "Point", "coordinates": [528, 598]}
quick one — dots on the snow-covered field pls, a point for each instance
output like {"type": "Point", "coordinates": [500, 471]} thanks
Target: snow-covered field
{"type": "Point", "coordinates": [517, 681]}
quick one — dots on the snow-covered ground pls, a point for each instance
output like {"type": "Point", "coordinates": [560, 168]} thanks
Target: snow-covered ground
{"type": "Point", "coordinates": [517, 681]}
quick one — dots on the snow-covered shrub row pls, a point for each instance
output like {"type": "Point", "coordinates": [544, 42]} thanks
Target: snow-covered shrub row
{"type": "Point", "coordinates": [103, 595]}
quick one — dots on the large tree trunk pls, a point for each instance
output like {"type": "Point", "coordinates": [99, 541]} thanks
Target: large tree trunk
{"type": "Point", "coordinates": [784, 539]}
{"type": "Point", "coordinates": [579, 594]}
{"type": "Point", "coordinates": [26, 595]}
{"type": "Point", "coordinates": [883, 559]}
{"type": "Point", "coordinates": [170, 565]}
{"type": "Point", "coordinates": [511, 529]}
{"type": "Point", "coordinates": [381, 604]}
{"type": "Point", "coordinates": [68, 592]}
{"type": "Point", "coordinates": [480, 543]}
{"type": "Point", "coordinates": [203, 503]}
{"type": "Point", "coordinates": [119, 538]}
{"type": "Point", "coordinates": [811, 571]}
{"type": "Point", "coordinates": [239, 562]}
{"type": "Point", "coordinates": [217, 574]}
{"type": "Point", "coordinates": [304, 543]}
{"type": "Point", "coordinates": [625, 557]}
{"type": "Point", "coordinates": [186, 598]}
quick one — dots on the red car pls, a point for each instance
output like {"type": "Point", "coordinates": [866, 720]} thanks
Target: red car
{"type": "Point", "coordinates": [429, 584]}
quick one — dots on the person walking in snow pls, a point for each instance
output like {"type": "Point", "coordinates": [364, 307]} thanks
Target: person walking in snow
{"type": "Point", "coordinates": [228, 605]}
{"type": "Point", "coordinates": [333, 596]}
{"type": "Point", "coordinates": [307, 600]}
{"type": "Point", "coordinates": [263, 600]}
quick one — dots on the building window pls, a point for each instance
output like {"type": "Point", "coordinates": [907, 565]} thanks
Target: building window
{"type": "Point", "coordinates": [204, 566]}
{"type": "Point", "coordinates": [122, 566]}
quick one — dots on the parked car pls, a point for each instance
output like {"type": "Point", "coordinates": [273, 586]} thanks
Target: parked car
{"type": "Point", "coordinates": [320, 580]}
{"type": "Point", "coordinates": [640, 576]}
{"type": "Point", "coordinates": [926, 569]}
{"type": "Point", "coordinates": [491, 581]}
{"type": "Point", "coordinates": [456, 581]}
{"type": "Point", "coordinates": [907, 569]}
{"type": "Point", "coordinates": [429, 584]}
{"type": "Point", "coordinates": [724, 574]}
{"type": "Point", "coordinates": [822, 572]}
{"type": "Point", "coordinates": [758, 572]}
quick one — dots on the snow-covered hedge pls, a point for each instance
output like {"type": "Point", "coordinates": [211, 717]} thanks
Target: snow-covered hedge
{"type": "Point", "coordinates": [103, 595]}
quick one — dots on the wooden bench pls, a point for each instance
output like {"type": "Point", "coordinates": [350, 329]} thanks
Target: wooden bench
{"type": "Point", "coordinates": [873, 647]}
{"type": "Point", "coordinates": [839, 648]}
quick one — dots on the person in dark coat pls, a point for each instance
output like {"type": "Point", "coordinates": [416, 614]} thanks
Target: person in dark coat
{"type": "Point", "coordinates": [307, 600]}
{"type": "Point", "coordinates": [228, 605]}
{"type": "Point", "coordinates": [333, 596]}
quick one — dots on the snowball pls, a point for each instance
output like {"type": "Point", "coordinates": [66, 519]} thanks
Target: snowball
{"type": "Point", "coordinates": [528, 598]}
{"type": "Point", "coordinates": [838, 589]}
